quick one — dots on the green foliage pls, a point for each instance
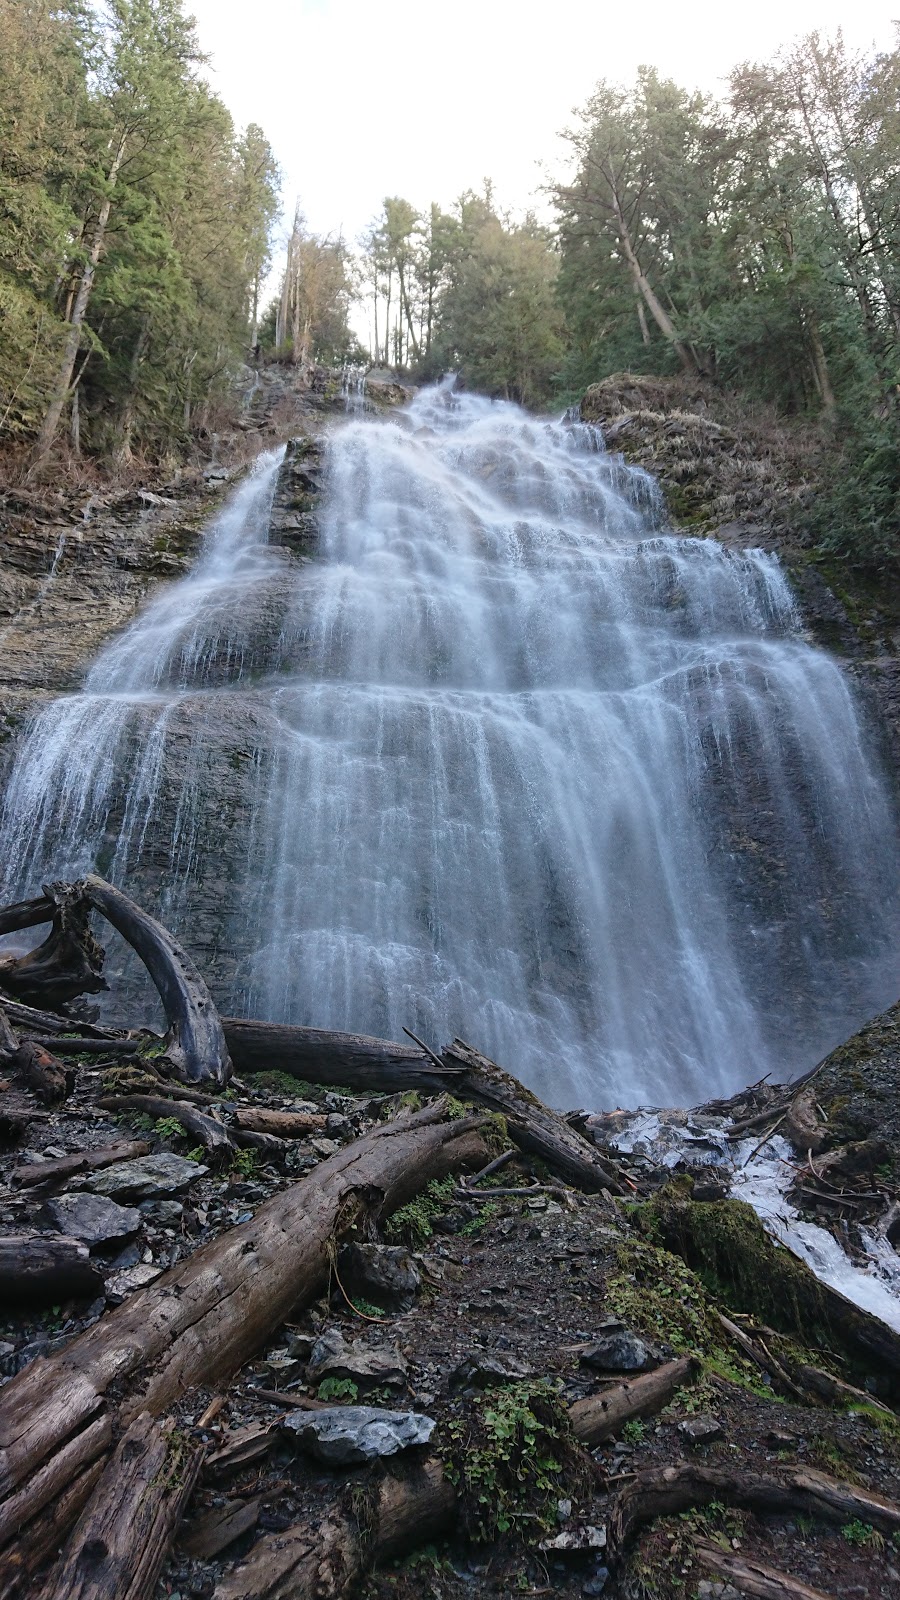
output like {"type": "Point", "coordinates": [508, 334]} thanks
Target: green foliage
{"type": "Point", "coordinates": [196, 1153]}
{"type": "Point", "coordinates": [338, 1389]}
{"type": "Point", "coordinates": [477, 1224]}
{"type": "Point", "coordinates": [168, 1128]}
{"type": "Point", "coordinates": [413, 1224]}
{"type": "Point", "coordinates": [246, 1163]}
{"type": "Point", "coordinates": [863, 1534]}
{"type": "Point", "coordinates": [509, 1458]}
{"type": "Point", "coordinates": [136, 220]}
{"type": "Point", "coordinates": [633, 1432]}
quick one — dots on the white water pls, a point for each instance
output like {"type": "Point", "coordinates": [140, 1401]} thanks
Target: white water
{"type": "Point", "coordinates": [507, 760]}
{"type": "Point", "coordinates": [762, 1178]}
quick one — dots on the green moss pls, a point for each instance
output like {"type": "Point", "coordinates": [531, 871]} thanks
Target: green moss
{"type": "Point", "coordinates": [413, 1224]}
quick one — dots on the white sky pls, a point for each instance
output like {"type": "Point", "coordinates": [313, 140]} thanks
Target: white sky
{"type": "Point", "coordinates": [362, 99]}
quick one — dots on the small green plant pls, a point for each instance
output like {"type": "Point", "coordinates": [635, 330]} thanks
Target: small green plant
{"type": "Point", "coordinates": [862, 1533]}
{"type": "Point", "coordinates": [338, 1389]}
{"type": "Point", "coordinates": [508, 1456]}
{"type": "Point", "coordinates": [168, 1128]}
{"type": "Point", "coordinates": [245, 1162]}
{"type": "Point", "coordinates": [634, 1431]}
{"type": "Point", "coordinates": [196, 1153]}
{"type": "Point", "coordinates": [476, 1225]}
{"type": "Point", "coordinates": [366, 1308]}
{"type": "Point", "coordinates": [413, 1224]}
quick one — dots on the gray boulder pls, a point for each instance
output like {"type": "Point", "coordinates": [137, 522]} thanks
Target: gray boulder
{"type": "Point", "coordinates": [344, 1436]}
{"type": "Point", "coordinates": [92, 1218]}
{"type": "Point", "coordinates": [149, 1178]}
{"type": "Point", "coordinates": [383, 1273]}
{"type": "Point", "coordinates": [617, 1349]}
{"type": "Point", "coordinates": [332, 1357]}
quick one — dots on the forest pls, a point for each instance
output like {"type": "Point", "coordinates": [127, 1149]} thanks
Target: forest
{"type": "Point", "coordinates": [750, 241]}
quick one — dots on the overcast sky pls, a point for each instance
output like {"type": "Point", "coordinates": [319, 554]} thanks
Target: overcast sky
{"type": "Point", "coordinates": [364, 98]}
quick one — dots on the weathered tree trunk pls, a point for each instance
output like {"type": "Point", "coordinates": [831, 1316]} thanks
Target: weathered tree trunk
{"type": "Point", "coordinates": [601, 1416]}
{"type": "Point", "coordinates": [348, 1059]}
{"type": "Point", "coordinates": [532, 1126]}
{"type": "Point", "coordinates": [68, 963]}
{"type": "Point", "coordinates": [753, 1578]}
{"type": "Point", "coordinates": [212, 1133]}
{"type": "Point", "coordinates": [665, 1491]}
{"type": "Point", "coordinates": [46, 1172]}
{"type": "Point", "coordinates": [201, 1320]}
{"type": "Point", "coordinates": [46, 1270]}
{"type": "Point", "coordinates": [283, 1124]}
{"type": "Point", "coordinates": [42, 1073]}
{"type": "Point", "coordinates": [117, 1548]}
{"type": "Point", "coordinates": [195, 1041]}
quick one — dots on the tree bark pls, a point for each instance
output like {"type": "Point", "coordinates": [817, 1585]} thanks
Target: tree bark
{"type": "Point", "coordinates": [348, 1059]}
{"type": "Point", "coordinates": [42, 1271]}
{"type": "Point", "coordinates": [201, 1320]}
{"type": "Point", "coordinates": [41, 1072]}
{"type": "Point", "coordinates": [212, 1133]}
{"type": "Point", "coordinates": [284, 1124]}
{"type": "Point", "coordinates": [68, 963]}
{"type": "Point", "coordinates": [753, 1578]}
{"type": "Point", "coordinates": [117, 1548]}
{"type": "Point", "coordinates": [601, 1416]}
{"type": "Point", "coordinates": [46, 1172]}
{"type": "Point", "coordinates": [665, 1491]}
{"type": "Point", "coordinates": [532, 1126]}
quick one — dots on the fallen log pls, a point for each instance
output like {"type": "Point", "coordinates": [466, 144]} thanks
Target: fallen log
{"type": "Point", "coordinates": [212, 1134]}
{"type": "Point", "coordinates": [601, 1416]}
{"type": "Point", "coordinates": [19, 1566]}
{"type": "Point", "coordinates": [213, 1533]}
{"type": "Point", "coordinates": [532, 1126]}
{"type": "Point", "coordinates": [40, 1072]}
{"type": "Point", "coordinates": [85, 1047]}
{"type": "Point", "coordinates": [48, 1022]}
{"type": "Point", "coordinates": [284, 1124]}
{"type": "Point", "coordinates": [201, 1320]}
{"type": "Point", "coordinates": [410, 1509]}
{"type": "Point", "coordinates": [117, 1548]}
{"type": "Point", "coordinates": [44, 1270]}
{"type": "Point", "coordinates": [351, 1060]}
{"type": "Point", "coordinates": [58, 1171]}
{"type": "Point", "coordinates": [753, 1578]}
{"type": "Point", "coordinates": [330, 1558]}
{"type": "Point", "coordinates": [666, 1491]}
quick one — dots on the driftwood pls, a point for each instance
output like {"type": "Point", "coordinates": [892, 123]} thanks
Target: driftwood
{"type": "Point", "coordinates": [41, 1172]}
{"type": "Point", "coordinates": [213, 1533]}
{"type": "Point", "coordinates": [212, 1134]}
{"type": "Point", "coordinates": [352, 1060]}
{"type": "Point", "coordinates": [68, 963]}
{"type": "Point", "coordinates": [753, 1578]}
{"type": "Point", "coordinates": [304, 1562]}
{"type": "Point", "coordinates": [202, 1319]}
{"type": "Point", "coordinates": [284, 1124]}
{"type": "Point", "coordinates": [44, 1270]}
{"type": "Point", "coordinates": [41, 1072]}
{"type": "Point", "coordinates": [532, 1126]}
{"type": "Point", "coordinates": [244, 1446]}
{"type": "Point", "coordinates": [117, 1548]}
{"type": "Point", "coordinates": [802, 1124]}
{"type": "Point", "coordinates": [600, 1416]}
{"type": "Point", "coordinates": [665, 1491]}
{"type": "Point", "coordinates": [18, 1566]}
{"type": "Point", "coordinates": [47, 1022]}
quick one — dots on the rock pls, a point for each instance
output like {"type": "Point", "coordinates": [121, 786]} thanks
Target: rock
{"type": "Point", "coordinates": [324, 1147]}
{"type": "Point", "coordinates": [701, 1430]}
{"type": "Point", "coordinates": [709, 1189]}
{"type": "Point", "coordinates": [344, 1436]}
{"type": "Point", "coordinates": [332, 1357]}
{"type": "Point", "coordinates": [123, 1283]}
{"type": "Point", "coordinates": [383, 1273]}
{"type": "Point", "coordinates": [483, 1372]}
{"type": "Point", "coordinates": [617, 1349]}
{"type": "Point", "coordinates": [149, 1178]}
{"type": "Point", "coordinates": [165, 1212]}
{"type": "Point", "coordinates": [92, 1218]}
{"type": "Point", "coordinates": [576, 1540]}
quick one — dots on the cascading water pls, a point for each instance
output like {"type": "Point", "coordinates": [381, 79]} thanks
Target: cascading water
{"type": "Point", "coordinates": [505, 759]}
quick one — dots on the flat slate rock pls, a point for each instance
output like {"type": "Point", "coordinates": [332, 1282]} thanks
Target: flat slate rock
{"type": "Point", "coordinates": [92, 1217]}
{"type": "Point", "coordinates": [344, 1436]}
{"type": "Point", "coordinates": [148, 1178]}
{"type": "Point", "coordinates": [333, 1357]}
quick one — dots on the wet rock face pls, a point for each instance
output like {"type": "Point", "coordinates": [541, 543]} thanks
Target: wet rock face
{"type": "Point", "coordinates": [294, 523]}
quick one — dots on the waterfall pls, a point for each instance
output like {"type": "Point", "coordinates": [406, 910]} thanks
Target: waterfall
{"type": "Point", "coordinates": [506, 759]}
